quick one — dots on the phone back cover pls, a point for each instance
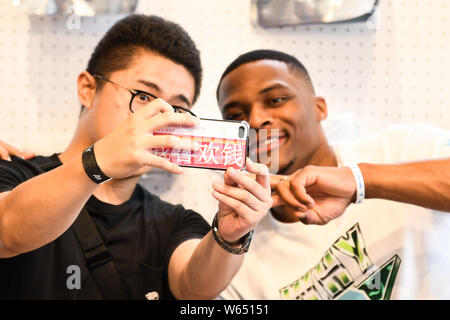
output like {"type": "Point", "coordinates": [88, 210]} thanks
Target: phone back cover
{"type": "Point", "coordinates": [220, 146]}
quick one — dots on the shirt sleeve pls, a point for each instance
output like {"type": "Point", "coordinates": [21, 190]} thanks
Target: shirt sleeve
{"type": "Point", "coordinates": [398, 143]}
{"type": "Point", "coordinates": [187, 225]}
{"type": "Point", "coordinates": [427, 142]}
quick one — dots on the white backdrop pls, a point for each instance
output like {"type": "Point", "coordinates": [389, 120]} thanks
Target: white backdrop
{"type": "Point", "coordinates": [397, 72]}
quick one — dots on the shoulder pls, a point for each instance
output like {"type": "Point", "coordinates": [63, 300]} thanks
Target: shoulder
{"type": "Point", "coordinates": [18, 170]}
{"type": "Point", "coordinates": [419, 141]}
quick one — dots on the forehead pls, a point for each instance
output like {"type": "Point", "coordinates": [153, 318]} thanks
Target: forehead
{"type": "Point", "coordinates": [171, 78]}
{"type": "Point", "coordinates": [252, 77]}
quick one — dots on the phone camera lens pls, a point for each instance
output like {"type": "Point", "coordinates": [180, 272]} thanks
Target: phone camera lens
{"type": "Point", "coordinates": [241, 132]}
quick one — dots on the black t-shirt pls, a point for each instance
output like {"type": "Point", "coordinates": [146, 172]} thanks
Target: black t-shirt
{"type": "Point", "coordinates": [140, 234]}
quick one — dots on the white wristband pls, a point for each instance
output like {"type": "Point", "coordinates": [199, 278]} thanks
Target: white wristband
{"type": "Point", "coordinates": [360, 191]}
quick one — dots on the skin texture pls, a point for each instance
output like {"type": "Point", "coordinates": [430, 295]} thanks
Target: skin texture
{"type": "Point", "coordinates": [39, 210]}
{"type": "Point", "coordinates": [309, 187]}
{"type": "Point", "coordinates": [269, 95]}
{"type": "Point", "coordinates": [7, 150]}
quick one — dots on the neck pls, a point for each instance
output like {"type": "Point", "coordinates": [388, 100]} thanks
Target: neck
{"type": "Point", "coordinates": [322, 156]}
{"type": "Point", "coordinates": [115, 191]}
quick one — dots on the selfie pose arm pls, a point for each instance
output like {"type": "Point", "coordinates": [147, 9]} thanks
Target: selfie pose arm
{"type": "Point", "coordinates": [320, 194]}
{"type": "Point", "coordinates": [40, 209]}
{"type": "Point", "coordinates": [203, 269]}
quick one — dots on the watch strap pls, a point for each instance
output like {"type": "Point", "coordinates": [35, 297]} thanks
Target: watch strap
{"type": "Point", "coordinates": [245, 240]}
{"type": "Point", "coordinates": [91, 167]}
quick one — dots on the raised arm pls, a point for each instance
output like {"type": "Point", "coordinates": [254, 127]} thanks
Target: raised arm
{"type": "Point", "coordinates": [422, 183]}
{"type": "Point", "coordinates": [320, 194]}
{"type": "Point", "coordinates": [40, 209]}
{"type": "Point", "coordinates": [203, 269]}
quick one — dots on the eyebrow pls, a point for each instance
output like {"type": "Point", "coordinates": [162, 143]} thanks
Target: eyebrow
{"type": "Point", "coordinates": [150, 85]}
{"type": "Point", "coordinates": [154, 86]}
{"type": "Point", "coordinates": [265, 90]}
{"type": "Point", "coordinates": [229, 105]}
{"type": "Point", "coordinates": [272, 87]}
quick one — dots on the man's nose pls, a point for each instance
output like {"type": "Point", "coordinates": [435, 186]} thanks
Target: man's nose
{"type": "Point", "coordinates": [260, 117]}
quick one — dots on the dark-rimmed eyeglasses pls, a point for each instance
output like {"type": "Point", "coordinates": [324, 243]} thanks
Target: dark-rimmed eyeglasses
{"type": "Point", "coordinates": [140, 98]}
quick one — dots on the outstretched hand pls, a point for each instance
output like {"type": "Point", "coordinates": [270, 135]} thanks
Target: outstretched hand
{"type": "Point", "coordinates": [315, 195]}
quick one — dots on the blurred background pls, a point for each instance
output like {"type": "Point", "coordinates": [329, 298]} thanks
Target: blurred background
{"type": "Point", "coordinates": [392, 68]}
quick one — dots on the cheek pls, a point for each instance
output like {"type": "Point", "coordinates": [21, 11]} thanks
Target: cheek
{"type": "Point", "coordinates": [107, 115]}
{"type": "Point", "coordinates": [304, 126]}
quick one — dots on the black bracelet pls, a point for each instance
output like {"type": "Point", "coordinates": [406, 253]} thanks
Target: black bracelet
{"type": "Point", "coordinates": [245, 240]}
{"type": "Point", "coordinates": [91, 167]}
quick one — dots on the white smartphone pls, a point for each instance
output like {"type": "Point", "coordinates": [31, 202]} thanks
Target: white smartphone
{"type": "Point", "coordinates": [223, 144]}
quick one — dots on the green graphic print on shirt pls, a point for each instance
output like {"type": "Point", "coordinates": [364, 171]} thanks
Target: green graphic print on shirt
{"type": "Point", "coordinates": [346, 272]}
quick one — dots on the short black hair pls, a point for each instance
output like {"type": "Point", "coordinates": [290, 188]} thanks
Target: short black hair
{"type": "Point", "coordinates": [135, 32]}
{"type": "Point", "coordinates": [265, 54]}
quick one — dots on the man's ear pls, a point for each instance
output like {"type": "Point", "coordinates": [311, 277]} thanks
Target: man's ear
{"type": "Point", "coordinates": [321, 108]}
{"type": "Point", "coordinates": [86, 89]}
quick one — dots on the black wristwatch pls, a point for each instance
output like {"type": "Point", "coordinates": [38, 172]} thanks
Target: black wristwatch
{"type": "Point", "coordinates": [91, 167]}
{"type": "Point", "coordinates": [245, 240]}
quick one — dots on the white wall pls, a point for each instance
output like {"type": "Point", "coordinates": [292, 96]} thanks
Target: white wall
{"type": "Point", "coordinates": [397, 73]}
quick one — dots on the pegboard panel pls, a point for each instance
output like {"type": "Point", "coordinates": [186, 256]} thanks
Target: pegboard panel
{"type": "Point", "coordinates": [393, 69]}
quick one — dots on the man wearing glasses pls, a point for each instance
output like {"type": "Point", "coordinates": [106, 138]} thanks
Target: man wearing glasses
{"type": "Point", "coordinates": [153, 249]}
{"type": "Point", "coordinates": [140, 99]}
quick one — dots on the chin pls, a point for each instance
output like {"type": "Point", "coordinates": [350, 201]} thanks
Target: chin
{"type": "Point", "coordinates": [286, 167]}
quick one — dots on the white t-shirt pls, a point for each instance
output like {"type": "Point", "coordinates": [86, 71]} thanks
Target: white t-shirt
{"type": "Point", "coordinates": [378, 249]}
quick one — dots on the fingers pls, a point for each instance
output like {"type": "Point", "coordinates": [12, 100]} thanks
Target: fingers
{"type": "Point", "coordinates": [291, 190]}
{"type": "Point", "coordinates": [228, 180]}
{"type": "Point", "coordinates": [152, 160]}
{"type": "Point", "coordinates": [298, 188]}
{"type": "Point", "coordinates": [7, 150]}
{"type": "Point", "coordinates": [276, 179]}
{"type": "Point", "coordinates": [284, 192]}
{"type": "Point", "coordinates": [170, 141]}
{"type": "Point", "coordinates": [261, 171]}
{"type": "Point", "coordinates": [170, 118]}
{"type": "Point", "coordinates": [153, 108]}
{"type": "Point", "coordinates": [243, 194]}
{"type": "Point", "coordinates": [239, 194]}
{"type": "Point", "coordinates": [28, 155]}
{"type": "Point", "coordinates": [237, 206]}
{"type": "Point", "coordinates": [254, 187]}
{"type": "Point", "coordinates": [4, 154]}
